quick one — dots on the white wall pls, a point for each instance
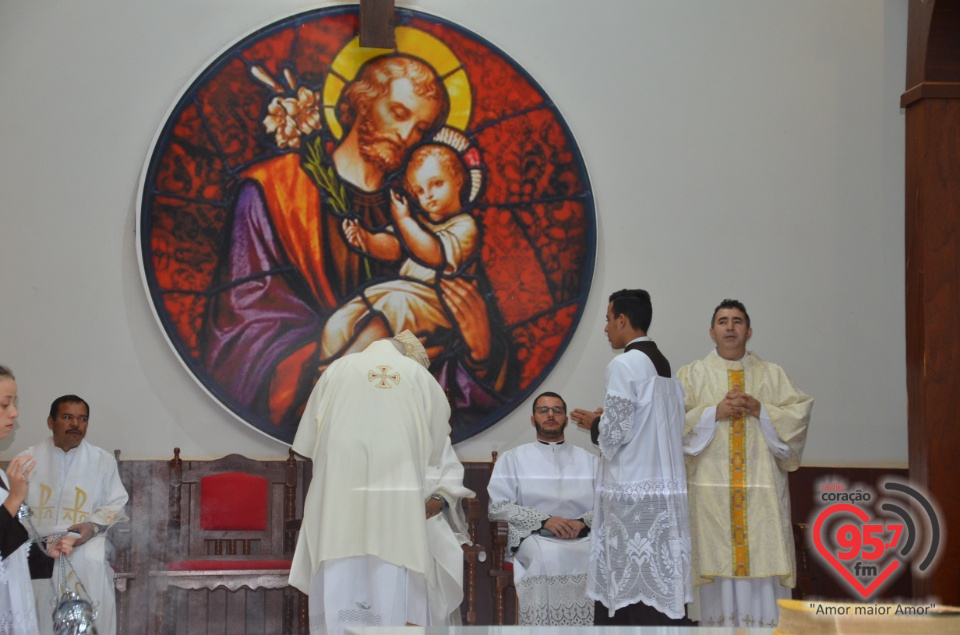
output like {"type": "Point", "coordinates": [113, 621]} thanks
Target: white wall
{"type": "Point", "coordinates": [745, 148]}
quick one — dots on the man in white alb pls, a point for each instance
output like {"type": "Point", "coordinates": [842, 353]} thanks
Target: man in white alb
{"type": "Point", "coordinates": [640, 541]}
{"type": "Point", "coordinates": [746, 426]}
{"type": "Point", "coordinates": [544, 491]}
{"type": "Point", "coordinates": [76, 487]}
{"type": "Point", "coordinates": [376, 427]}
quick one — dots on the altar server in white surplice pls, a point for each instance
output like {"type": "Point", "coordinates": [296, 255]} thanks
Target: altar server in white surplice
{"type": "Point", "coordinates": [76, 487]}
{"type": "Point", "coordinates": [373, 426]}
{"type": "Point", "coordinates": [544, 491]}
{"type": "Point", "coordinates": [640, 541]}
{"type": "Point", "coordinates": [741, 411]}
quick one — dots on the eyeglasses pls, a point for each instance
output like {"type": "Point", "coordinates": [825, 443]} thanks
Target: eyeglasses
{"type": "Point", "coordinates": [557, 410]}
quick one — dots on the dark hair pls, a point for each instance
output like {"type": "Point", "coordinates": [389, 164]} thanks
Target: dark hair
{"type": "Point", "coordinates": [731, 304]}
{"type": "Point", "coordinates": [6, 372]}
{"type": "Point", "coordinates": [635, 304]}
{"type": "Point", "coordinates": [55, 406]}
{"type": "Point", "coordinates": [549, 394]}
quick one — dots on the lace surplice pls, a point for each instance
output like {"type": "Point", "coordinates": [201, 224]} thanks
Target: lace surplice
{"type": "Point", "coordinates": [641, 549]}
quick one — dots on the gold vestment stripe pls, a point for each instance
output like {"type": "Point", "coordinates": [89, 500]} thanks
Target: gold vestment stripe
{"type": "Point", "coordinates": [738, 490]}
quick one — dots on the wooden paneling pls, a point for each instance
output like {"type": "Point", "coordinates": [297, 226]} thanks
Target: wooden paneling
{"type": "Point", "coordinates": [932, 229]}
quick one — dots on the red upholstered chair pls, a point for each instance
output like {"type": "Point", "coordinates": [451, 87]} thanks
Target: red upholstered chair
{"type": "Point", "coordinates": [231, 526]}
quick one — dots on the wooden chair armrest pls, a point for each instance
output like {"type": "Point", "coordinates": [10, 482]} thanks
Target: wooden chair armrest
{"type": "Point", "coordinates": [474, 553]}
{"type": "Point", "coordinates": [501, 577]}
{"type": "Point", "coordinates": [499, 540]}
{"type": "Point", "coordinates": [291, 530]}
{"type": "Point", "coordinates": [471, 511]}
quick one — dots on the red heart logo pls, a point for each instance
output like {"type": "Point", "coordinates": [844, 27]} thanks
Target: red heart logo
{"type": "Point", "coordinates": [867, 591]}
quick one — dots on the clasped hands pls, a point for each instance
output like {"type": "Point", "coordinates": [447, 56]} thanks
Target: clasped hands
{"type": "Point", "coordinates": [566, 528]}
{"type": "Point", "coordinates": [736, 403]}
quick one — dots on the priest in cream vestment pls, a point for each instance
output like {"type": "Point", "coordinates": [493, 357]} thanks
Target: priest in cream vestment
{"type": "Point", "coordinates": [746, 425]}
{"type": "Point", "coordinates": [376, 427]}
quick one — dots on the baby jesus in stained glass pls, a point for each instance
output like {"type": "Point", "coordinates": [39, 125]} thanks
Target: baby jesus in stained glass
{"type": "Point", "coordinates": [442, 241]}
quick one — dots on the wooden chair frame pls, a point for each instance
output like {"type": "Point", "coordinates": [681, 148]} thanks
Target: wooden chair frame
{"type": "Point", "coordinates": [185, 539]}
{"type": "Point", "coordinates": [473, 555]}
{"type": "Point", "coordinates": [502, 583]}
{"type": "Point", "coordinates": [120, 537]}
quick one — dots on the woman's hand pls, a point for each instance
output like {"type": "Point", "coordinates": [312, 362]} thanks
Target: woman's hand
{"type": "Point", "coordinates": [18, 475]}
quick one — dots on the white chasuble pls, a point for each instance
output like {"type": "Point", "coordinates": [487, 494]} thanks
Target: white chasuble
{"type": "Point", "coordinates": [375, 422]}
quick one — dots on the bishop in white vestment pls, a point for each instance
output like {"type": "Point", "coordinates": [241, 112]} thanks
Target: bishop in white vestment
{"type": "Point", "coordinates": [374, 425]}
{"type": "Point", "coordinates": [746, 425]}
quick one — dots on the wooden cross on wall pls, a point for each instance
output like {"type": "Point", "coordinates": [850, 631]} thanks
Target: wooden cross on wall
{"type": "Point", "coordinates": [376, 24]}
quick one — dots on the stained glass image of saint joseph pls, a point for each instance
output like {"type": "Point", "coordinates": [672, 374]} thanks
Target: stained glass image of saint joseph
{"type": "Point", "coordinates": [306, 195]}
{"type": "Point", "coordinates": [289, 262]}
